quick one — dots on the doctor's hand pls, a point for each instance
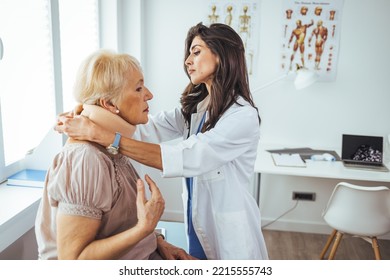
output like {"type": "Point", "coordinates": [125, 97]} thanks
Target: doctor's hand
{"type": "Point", "coordinates": [66, 124]}
{"type": "Point", "coordinates": [76, 111]}
{"type": "Point", "coordinates": [171, 252]}
{"type": "Point", "coordinates": [75, 126]}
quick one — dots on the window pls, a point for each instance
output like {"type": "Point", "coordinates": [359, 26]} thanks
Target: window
{"type": "Point", "coordinates": [33, 80]}
{"type": "Point", "coordinates": [79, 37]}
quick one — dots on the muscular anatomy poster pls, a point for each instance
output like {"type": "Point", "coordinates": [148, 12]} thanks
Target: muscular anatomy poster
{"type": "Point", "coordinates": [311, 36]}
{"type": "Point", "coordinates": [243, 17]}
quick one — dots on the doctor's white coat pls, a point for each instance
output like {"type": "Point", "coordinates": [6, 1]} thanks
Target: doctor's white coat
{"type": "Point", "coordinates": [226, 217]}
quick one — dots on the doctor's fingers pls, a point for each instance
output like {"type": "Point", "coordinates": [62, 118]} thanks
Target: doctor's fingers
{"type": "Point", "coordinates": [76, 127]}
{"type": "Point", "coordinates": [61, 120]}
{"type": "Point", "coordinates": [59, 126]}
{"type": "Point", "coordinates": [64, 115]}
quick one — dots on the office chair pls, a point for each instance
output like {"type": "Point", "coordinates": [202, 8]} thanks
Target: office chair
{"type": "Point", "coordinates": [358, 211]}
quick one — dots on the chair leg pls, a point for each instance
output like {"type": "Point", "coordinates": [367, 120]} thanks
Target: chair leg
{"type": "Point", "coordinates": [328, 242]}
{"type": "Point", "coordinates": [375, 246]}
{"type": "Point", "coordinates": [336, 244]}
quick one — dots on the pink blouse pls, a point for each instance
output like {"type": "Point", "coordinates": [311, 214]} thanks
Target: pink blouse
{"type": "Point", "coordinates": [85, 180]}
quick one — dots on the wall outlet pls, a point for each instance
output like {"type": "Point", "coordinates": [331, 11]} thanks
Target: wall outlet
{"type": "Point", "coordinates": [304, 196]}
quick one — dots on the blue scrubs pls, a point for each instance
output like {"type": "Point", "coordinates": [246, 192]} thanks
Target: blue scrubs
{"type": "Point", "coordinates": [195, 248]}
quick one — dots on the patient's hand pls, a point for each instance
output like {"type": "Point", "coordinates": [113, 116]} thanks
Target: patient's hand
{"type": "Point", "coordinates": [171, 252]}
{"type": "Point", "coordinates": [149, 211]}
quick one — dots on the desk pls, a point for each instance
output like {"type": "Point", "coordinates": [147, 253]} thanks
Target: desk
{"type": "Point", "coordinates": [18, 208]}
{"type": "Point", "coordinates": [320, 169]}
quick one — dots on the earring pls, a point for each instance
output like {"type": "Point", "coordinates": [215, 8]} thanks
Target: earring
{"type": "Point", "coordinates": [117, 111]}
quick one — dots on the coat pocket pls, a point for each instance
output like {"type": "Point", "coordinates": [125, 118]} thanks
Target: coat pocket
{"type": "Point", "coordinates": [212, 176]}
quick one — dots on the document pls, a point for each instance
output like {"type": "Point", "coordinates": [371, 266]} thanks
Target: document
{"type": "Point", "coordinates": [292, 160]}
{"type": "Point", "coordinates": [28, 178]}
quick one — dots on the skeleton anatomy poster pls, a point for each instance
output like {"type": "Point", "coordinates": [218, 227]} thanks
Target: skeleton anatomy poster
{"type": "Point", "coordinates": [243, 17]}
{"type": "Point", "coordinates": [311, 36]}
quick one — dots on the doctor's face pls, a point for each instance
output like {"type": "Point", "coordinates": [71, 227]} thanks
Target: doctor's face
{"type": "Point", "coordinates": [201, 63]}
{"type": "Point", "coordinates": [133, 106]}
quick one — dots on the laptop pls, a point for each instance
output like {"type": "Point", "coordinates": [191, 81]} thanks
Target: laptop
{"type": "Point", "coordinates": [363, 152]}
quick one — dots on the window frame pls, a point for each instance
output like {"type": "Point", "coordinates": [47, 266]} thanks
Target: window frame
{"type": "Point", "coordinates": [7, 170]}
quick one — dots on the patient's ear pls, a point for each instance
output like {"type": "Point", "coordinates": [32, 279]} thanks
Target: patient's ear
{"type": "Point", "coordinates": [105, 118]}
{"type": "Point", "coordinates": [108, 105]}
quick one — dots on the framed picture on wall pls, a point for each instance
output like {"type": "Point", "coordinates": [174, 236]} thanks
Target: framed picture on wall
{"type": "Point", "coordinates": [243, 17]}
{"type": "Point", "coordinates": [310, 36]}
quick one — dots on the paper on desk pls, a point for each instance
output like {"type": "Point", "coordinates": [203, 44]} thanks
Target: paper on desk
{"type": "Point", "coordinates": [293, 160]}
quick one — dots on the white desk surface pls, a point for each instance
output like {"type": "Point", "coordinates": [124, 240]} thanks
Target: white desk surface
{"type": "Point", "coordinates": [18, 208]}
{"type": "Point", "coordinates": [322, 169]}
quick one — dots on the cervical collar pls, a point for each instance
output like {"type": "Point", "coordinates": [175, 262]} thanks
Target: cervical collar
{"type": "Point", "coordinates": [108, 120]}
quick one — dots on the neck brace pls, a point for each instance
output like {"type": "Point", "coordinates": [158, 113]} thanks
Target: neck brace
{"type": "Point", "coordinates": [108, 120]}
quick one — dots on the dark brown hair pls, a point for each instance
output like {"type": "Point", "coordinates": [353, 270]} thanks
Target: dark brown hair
{"type": "Point", "coordinates": [230, 79]}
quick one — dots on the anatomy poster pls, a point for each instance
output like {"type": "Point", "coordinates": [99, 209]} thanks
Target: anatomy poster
{"type": "Point", "coordinates": [311, 36]}
{"type": "Point", "coordinates": [243, 17]}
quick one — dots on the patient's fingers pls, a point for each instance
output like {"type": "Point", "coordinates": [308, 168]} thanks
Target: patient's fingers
{"type": "Point", "coordinates": [152, 186]}
{"type": "Point", "coordinates": [141, 199]}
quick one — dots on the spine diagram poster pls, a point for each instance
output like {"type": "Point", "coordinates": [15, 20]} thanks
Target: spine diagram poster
{"type": "Point", "coordinates": [311, 36]}
{"type": "Point", "coordinates": [243, 17]}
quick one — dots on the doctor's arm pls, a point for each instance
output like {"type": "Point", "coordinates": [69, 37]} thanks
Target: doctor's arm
{"type": "Point", "coordinates": [82, 128]}
{"type": "Point", "coordinates": [235, 134]}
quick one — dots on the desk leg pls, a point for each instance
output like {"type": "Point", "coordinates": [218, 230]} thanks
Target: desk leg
{"type": "Point", "coordinates": [257, 185]}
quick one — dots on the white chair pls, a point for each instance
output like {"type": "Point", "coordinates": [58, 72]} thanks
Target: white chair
{"type": "Point", "coordinates": [358, 211]}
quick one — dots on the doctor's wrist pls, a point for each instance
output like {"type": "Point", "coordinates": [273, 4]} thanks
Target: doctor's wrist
{"type": "Point", "coordinates": [101, 136]}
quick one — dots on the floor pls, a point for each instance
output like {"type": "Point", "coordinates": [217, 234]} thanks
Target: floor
{"type": "Point", "coordinates": [284, 245]}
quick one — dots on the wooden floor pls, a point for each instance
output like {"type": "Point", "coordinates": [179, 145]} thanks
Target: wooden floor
{"type": "Point", "coordinates": [284, 245]}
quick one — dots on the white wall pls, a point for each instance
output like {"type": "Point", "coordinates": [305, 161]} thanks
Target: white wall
{"type": "Point", "coordinates": [357, 103]}
{"type": "Point", "coordinates": [312, 116]}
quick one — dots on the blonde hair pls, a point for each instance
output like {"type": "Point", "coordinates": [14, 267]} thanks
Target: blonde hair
{"type": "Point", "coordinates": [104, 75]}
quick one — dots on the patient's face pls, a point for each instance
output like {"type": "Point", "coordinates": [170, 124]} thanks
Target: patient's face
{"type": "Point", "coordinates": [134, 106]}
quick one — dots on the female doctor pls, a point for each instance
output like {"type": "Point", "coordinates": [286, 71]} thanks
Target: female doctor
{"type": "Point", "coordinates": [219, 124]}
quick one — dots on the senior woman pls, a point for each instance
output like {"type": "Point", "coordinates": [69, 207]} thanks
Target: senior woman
{"type": "Point", "coordinates": [94, 204]}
